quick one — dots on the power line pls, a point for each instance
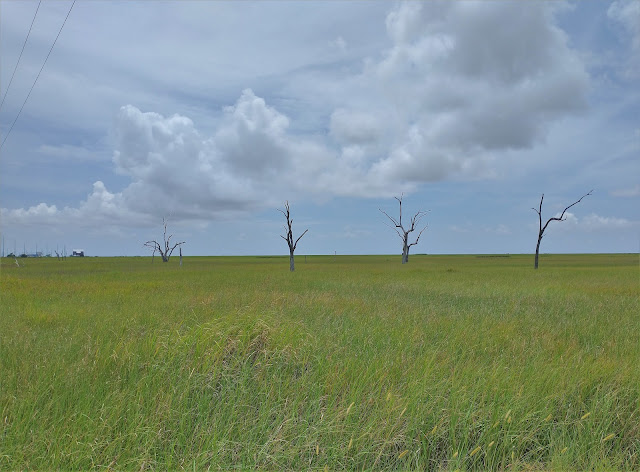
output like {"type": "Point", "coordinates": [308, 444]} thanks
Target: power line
{"type": "Point", "coordinates": [34, 82]}
{"type": "Point", "coordinates": [20, 57]}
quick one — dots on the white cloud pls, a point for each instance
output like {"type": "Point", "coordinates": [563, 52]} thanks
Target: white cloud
{"type": "Point", "coordinates": [461, 83]}
{"type": "Point", "coordinates": [592, 223]}
{"type": "Point", "coordinates": [101, 208]}
{"type": "Point", "coordinates": [177, 170]}
{"type": "Point", "coordinates": [466, 81]}
{"type": "Point", "coordinates": [595, 222]}
{"type": "Point", "coordinates": [351, 127]}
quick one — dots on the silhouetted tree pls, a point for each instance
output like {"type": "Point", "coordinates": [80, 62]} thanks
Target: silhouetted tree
{"type": "Point", "coordinates": [165, 249]}
{"type": "Point", "coordinates": [289, 235]}
{"type": "Point", "coordinates": [542, 229]}
{"type": "Point", "coordinates": [404, 233]}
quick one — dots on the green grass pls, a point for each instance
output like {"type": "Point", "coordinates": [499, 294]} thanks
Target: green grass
{"type": "Point", "coordinates": [449, 362]}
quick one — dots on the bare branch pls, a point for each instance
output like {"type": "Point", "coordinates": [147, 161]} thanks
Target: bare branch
{"type": "Point", "coordinates": [395, 223]}
{"type": "Point", "coordinates": [167, 250]}
{"type": "Point", "coordinates": [404, 233]}
{"type": "Point", "coordinates": [561, 218]}
{"type": "Point", "coordinates": [394, 227]}
{"type": "Point", "coordinates": [542, 229]}
{"type": "Point", "coordinates": [418, 238]}
{"type": "Point", "coordinates": [299, 237]}
{"type": "Point", "coordinates": [289, 234]}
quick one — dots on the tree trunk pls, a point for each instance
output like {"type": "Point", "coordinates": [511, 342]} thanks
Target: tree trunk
{"type": "Point", "coordinates": [535, 265]}
{"type": "Point", "coordinates": [291, 262]}
{"type": "Point", "coordinates": [405, 247]}
{"type": "Point", "coordinates": [405, 255]}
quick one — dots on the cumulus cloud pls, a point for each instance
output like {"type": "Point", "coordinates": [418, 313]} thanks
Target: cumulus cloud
{"type": "Point", "coordinates": [176, 169]}
{"type": "Point", "coordinates": [593, 222]}
{"type": "Point", "coordinates": [101, 209]}
{"type": "Point", "coordinates": [351, 127]}
{"type": "Point", "coordinates": [474, 79]}
{"type": "Point", "coordinates": [460, 83]}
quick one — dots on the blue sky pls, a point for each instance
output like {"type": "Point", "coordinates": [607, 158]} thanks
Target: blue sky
{"type": "Point", "coordinates": [212, 114]}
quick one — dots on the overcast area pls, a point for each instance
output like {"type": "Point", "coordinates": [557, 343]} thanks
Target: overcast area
{"type": "Point", "coordinates": [213, 114]}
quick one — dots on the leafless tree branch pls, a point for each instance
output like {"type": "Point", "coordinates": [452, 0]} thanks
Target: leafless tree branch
{"type": "Point", "coordinates": [404, 233]}
{"type": "Point", "coordinates": [541, 228]}
{"type": "Point", "coordinates": [293, 244]}
{"type": "Point", "coordinates": [165, 249]}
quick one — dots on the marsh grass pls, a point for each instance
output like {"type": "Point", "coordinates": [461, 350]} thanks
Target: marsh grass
{"type": "Point", "coordinates": [449, 362]}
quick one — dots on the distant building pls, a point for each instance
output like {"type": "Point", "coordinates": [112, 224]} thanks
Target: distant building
{"type": "Point", "coordinates": [78, 253]}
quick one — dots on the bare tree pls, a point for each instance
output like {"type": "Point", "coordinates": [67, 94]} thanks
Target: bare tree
{"type": "Point", "coordinates": [404, 233]}
{"type": "Point", "coordinates": [542, 229]}
{"type": "Point", "coordinates": [289, 237]}
{"type": "Point", "coordinates": [164, 249]}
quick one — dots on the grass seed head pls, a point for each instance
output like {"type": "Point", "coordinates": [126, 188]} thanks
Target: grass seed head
{"type": "Point", "coordinates": [349, 408]}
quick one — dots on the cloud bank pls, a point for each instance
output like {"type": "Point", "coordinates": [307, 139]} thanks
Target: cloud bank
{"type": "Point", "coordinates": [460, 84]}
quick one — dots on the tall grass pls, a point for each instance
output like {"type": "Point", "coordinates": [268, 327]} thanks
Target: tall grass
{"type": "Point", "coordinates": [449, 362]}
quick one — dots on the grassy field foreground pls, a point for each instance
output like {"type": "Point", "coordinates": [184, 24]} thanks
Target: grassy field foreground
{"type": "Point", "coordinates": [449, 362]}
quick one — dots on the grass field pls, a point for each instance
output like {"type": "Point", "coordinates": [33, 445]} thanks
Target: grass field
{"type": "Point", "coordinates": [449, 362]}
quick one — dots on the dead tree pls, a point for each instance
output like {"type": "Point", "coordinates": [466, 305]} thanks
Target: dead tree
{"type": "Point", "coordinates": [164, 249]}
{"type": "Point", "coordinates": [542, 229]}
{"type": "Point", "coordinates": [404, 233]}
{"type": "Point", "coordinates": [289, 237]}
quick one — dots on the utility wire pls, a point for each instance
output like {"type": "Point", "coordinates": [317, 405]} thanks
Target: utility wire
{"type": "Point", "coordinates": [20, 57]}
{"type": "Point", "coordinates": [34, 82]}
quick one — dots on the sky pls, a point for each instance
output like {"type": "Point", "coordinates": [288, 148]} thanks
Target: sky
{"type": "Point", "coordinates": [212, 114]}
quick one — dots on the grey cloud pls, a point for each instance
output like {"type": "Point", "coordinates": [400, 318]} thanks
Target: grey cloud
{"type": "Point", "coordinates": [489, 75]}
{"type": "Point", "coordinates": [252, 140]}
{"type": "Point", "coordinates": [461, 83]}
{"type": "Point", "coordinates": [351, 127]}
